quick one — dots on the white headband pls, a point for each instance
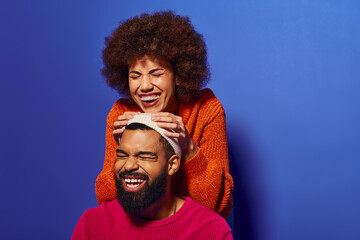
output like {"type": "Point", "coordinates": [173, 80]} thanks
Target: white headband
{"type": "Point", "coordinates": [145, 118]}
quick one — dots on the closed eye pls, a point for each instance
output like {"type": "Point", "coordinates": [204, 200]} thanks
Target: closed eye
{"type": "Point", "coordinates": [157, 74]}
{"type": "Point", "coordinates": [120, 154]}
{"type": "Point", "coordinates": [121, 157]}
{"type": "Point", "coordinates": [148, 158]}
{"type": "Point", "coordinates": [134, 77]}
{"type": "Point", "coordinates": [134, 74]}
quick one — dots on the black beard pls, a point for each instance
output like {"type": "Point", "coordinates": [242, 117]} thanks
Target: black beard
{"type": "Point", "coordinates": [136, 202]}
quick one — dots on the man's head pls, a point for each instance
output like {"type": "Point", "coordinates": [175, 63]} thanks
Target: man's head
{"type": "Point", "coordinates": [145, 160]}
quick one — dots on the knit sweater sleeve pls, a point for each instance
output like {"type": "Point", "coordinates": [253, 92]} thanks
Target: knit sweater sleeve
{"type": "Point", "coordinates": [105, 182]}
{"type": "Point", "coordinates": [207, 173]}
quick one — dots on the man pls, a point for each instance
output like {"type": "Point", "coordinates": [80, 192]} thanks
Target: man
{"type": "Point", "coordinates": [146, 208]}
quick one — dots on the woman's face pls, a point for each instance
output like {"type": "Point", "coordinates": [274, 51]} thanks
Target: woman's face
{"type": "Point", "coordinates": [152, 84]}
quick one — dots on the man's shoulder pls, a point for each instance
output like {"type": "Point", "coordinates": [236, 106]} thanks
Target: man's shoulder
{"type": "Point", "coordinates": [105, 208]}
{"type": "Point", "coordinates": [103, 215]}
{"type": "Point", "coordinates": [205, 214]}
{"type": "Point", "coordinates": [204, 222]}
{"type": "Point", "coordinates": [195, 206]}
{"type": "Point", "coordinates": [98, 222]}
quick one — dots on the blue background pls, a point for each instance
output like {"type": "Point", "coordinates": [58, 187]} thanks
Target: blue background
{"type": "Point", "coordinates": [286, 72]}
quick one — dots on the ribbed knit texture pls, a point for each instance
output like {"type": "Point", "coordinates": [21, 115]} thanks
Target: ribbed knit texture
{"type": "Point", "coordinates": [191, 221]}
{"type": "Point", "coordinates": [205, 177]}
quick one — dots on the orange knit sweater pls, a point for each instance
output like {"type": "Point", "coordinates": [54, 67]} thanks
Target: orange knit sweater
{"type": "Point", "coordinates": [205, 177]}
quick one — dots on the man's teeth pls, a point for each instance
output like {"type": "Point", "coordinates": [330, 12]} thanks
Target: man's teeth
{"type": "Point", "coordinates": [149, 98]}
{"type": "Point", "coordinates": [133, 180]}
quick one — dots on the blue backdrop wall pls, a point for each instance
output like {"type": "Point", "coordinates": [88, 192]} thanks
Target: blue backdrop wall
{"type": "Point", "coordinates": [286, 72]}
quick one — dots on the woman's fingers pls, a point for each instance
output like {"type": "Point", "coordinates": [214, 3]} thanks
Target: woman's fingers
{"type": "Point", "coordinates": [123, 119]}
{"type": "Point", "coordinates": [120, 123]}
{"type": "Point", "coordinates": [119, 130]}
{"type": "Point", "coordinates": [163, 118]}
{"type": "Point", "coordinates": [172, 123]}
{"type": "Point", "coordinates": [172, 134]}
{"type": "Point", "coordinates": [173, 126]}
{"type": "Point", "coordinates": [127, 115]}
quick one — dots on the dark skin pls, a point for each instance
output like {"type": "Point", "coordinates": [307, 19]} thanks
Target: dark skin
{"type": "Point", "coordinates": [154, 75]}
{"type": "Point", "coordinates": [139, 151]}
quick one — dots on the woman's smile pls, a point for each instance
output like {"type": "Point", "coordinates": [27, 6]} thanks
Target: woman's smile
{"type": "Point", "coordinates": [149, 100]}
{"type": "Point", "coordinates": [152, 84]}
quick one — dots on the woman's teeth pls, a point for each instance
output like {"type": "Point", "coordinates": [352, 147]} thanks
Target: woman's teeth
{"type": "Point", "coordinates": [149, 98]}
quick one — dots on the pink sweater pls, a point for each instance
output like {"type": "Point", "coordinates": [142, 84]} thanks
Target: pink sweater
{"type": "Point", "coordinates": [191, 221]}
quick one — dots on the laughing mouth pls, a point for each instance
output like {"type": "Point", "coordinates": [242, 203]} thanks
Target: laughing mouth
{"type": "Point", "coordinates": [149, 99]}
{"type": "Point", "coordinates": [133, 182]}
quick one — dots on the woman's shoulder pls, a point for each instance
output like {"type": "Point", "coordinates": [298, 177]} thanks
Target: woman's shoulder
{"type": "Point", "coordinates": [206, 93]}
{"type": "Point", "coordinates": [206, 107]}
{"type": "Point", "coordinates": [122, 105]}
{"type": "Point", "coordinates": [208, 101]}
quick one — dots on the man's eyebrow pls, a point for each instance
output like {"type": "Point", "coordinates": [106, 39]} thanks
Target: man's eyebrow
{"type": "Point", "coordinates": [133, 71]}
{"type": "Point", "coordinates": [120, 151]}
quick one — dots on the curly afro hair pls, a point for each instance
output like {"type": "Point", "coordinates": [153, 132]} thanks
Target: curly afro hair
{"type": "Point", "coordinates": [161, 34]}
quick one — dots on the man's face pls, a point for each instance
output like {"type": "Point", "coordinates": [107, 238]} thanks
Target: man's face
{"type": "Point", "coordinates": [141, 170]}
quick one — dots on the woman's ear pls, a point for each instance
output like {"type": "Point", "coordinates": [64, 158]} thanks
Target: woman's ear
{"type": "Point", "coordinates": [177, 81]}
{"type": "Point", "coordinates": [173, 164]}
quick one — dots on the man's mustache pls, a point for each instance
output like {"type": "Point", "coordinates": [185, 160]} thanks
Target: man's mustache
{"type": "Point", "coordinates": [133, 174]}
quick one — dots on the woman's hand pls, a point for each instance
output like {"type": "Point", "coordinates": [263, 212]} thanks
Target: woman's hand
{"type": "Point", "coordinates": [120, 123]}
{"type": "Point", "coordinates": [177, 129]}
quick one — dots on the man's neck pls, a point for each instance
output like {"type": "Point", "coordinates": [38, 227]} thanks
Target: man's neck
{"type": "Point", "coordinates": [163, 208]}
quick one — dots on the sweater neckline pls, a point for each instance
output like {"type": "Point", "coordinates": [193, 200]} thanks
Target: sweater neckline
{"type": "Point", "coordinates": [163, 222]}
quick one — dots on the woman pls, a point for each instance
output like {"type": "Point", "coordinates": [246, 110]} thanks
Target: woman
{"type": "Point", "coordinates": [159, 62]}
